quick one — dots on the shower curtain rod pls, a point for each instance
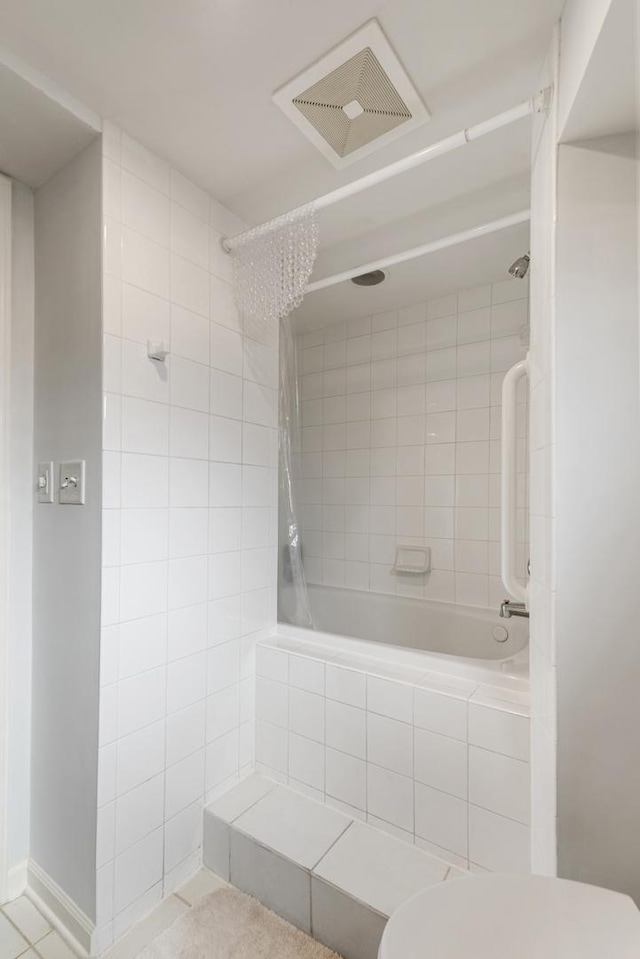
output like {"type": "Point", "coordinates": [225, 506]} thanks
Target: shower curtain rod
{"type": "Point", "coordinates": [512, 115]}
{"type": "Point", "coordinates": [446, 241]}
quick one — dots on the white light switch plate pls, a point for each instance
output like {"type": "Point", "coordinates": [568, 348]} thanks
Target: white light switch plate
{"type": "Point", "coordinates": [44, 483]}
{"type": "Point", "coordinates": [71, 490]}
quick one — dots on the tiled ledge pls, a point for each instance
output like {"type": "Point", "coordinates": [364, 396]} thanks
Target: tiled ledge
{"type": "Point", "coordinates": [437, 760]}
{"type": "Point", "coordinates": [331, 876]}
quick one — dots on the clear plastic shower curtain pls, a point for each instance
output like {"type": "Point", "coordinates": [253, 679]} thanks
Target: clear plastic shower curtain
{"type": "Point", "coordinates": [293, 597]}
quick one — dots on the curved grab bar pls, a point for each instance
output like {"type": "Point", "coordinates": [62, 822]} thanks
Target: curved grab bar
{"type": "Point", "coordinates": [512, 584]}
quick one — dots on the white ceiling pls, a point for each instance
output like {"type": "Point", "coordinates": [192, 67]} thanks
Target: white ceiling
{"type": "Point", "coordinates": [193, 79]}
{"type": "Point", "coordinates": [608, 101]}
{"type": "Point", "coordinates": [474, 263]}
{"type": "Point", "coordinates": [38, 136]}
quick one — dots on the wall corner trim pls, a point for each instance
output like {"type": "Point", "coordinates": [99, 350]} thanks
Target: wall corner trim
{"type": "Point", "coordinates": [17, 880]}
{"type": "Point", "coordinates": [65, 916]}
{"type": "Point", "coordinates": [5, 421]}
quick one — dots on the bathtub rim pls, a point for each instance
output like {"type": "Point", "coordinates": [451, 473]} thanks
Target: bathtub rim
{"type": "Point", "coordinates": [511, 673]}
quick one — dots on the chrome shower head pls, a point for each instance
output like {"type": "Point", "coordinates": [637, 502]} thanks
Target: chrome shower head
{"type": "Point", "coordinates": [520, 266]}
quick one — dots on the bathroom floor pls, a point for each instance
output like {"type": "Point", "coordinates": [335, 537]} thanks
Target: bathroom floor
{"type": "Point", "coordinates": [25, 933]}
{"type": "Point", "coordinates": [208, 919]}
{"type": "Point", "coordinates": [179, 904]}
{"type": "Point", "coordinates": [205, 918]}
{"type": "Point", "coordinates": [228, 924]}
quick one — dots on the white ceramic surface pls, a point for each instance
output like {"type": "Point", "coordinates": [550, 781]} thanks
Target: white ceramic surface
{"type": "Point", "coordinates": [499, 917]}
{"type": "Point", "coordinates": [378, 869]}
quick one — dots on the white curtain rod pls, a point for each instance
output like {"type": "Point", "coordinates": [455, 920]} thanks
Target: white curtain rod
{"type": "Point", "coordinates": [446, 241]}
{"type": "Point", "coordinates": [407, 163]}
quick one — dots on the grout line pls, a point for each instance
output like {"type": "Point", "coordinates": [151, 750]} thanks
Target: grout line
{"type": "Point", "coordinates": [20, 931]}
{"type": "Point", "coordinates": [31, 944]}
{"type": "Point", "coordinates": [182, 899]}
{"type": "Point", "coordinates": [329, 848]}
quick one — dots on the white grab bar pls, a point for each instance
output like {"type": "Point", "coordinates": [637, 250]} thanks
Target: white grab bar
{"type": "Point", "coordinates": [512, 584]}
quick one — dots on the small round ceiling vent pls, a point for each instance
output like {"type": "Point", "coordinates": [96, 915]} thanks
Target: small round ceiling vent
{"type": "Point", "coordinates": [369, 279]}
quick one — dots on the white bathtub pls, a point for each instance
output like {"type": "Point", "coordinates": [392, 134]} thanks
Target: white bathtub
{"type": "Point", "coordinates": [377, 658]}
{"type": "Point", "coordinates": [418, 624]}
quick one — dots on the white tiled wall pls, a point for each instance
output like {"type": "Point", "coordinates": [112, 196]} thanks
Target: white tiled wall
{"type": "Point", "coordinates": [400, 444]}
{"type": "Point", "coordinates": [442, 763]}
{"type": "Point", "coordinates": [189, 527]}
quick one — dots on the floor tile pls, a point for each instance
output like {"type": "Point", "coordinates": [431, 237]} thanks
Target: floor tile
{"type": "Point", "coordinates": [135, 940]}
{"type": "Point", "coordinates": [138, 911]}
{"type": "Point", "coordinates": [53, 946]}
{"type": "Point", "coordinates": [11, 942]}
{"type": "Point", "coordinates": [200, 885]}
{"type": "Point", "coordinates": [241, 797]}
{"type": "Point", "coordinates": [378, 869]}
{"type": "Point", "coordinates": [26, 917]}
{"type": "Point", "coordinates": [292, 825]}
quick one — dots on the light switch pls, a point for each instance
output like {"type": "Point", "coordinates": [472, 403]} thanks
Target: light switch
{"type": "Point", "coordinates": [71, 492]}
{"type": "Point", "coordinates": [44, 484]}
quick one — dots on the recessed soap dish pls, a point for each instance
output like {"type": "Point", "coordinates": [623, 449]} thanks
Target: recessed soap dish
{"type": "Point", "coordinates": [412, 559]}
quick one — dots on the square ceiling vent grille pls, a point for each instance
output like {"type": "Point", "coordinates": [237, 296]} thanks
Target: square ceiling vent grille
{"type": "Point", "coordinates": [354, 100]}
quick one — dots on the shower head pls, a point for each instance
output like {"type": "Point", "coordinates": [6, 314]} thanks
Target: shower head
{"type": "Point", "coordinates": [520, 266]}
{"type": "Point", "coordinates": [369, 279]}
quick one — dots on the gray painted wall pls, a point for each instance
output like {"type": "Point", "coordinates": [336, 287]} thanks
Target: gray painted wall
{"type": "Point", "coordinates": [67, 539]}
{"type": "Point", "coordinates": [598, 515]}
{"type": "Point", "coordinates": [21, 531]}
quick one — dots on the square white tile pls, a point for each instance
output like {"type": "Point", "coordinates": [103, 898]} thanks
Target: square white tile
{"type": "Point", "coordinates": [390, 698]}
{"type": "Point", "coordinates": [390, 797]}
{"type": "Point", "coordinates": [241, 797]}
{"type": "Point", "coordinates": [390, 744]}
{"type": "Point", "coordinates": [292, 825]}
{"type": "Point", "coordinates": [53, 946]}
{"type": "Point", "coordinates": [346, 779]}
{"type": "Point", "coordinates": [499, 730]}
{"type": "Point", "coordinates": [441, 819]}
{"type": "Point", "coordinates": [346, 729]}
{"type": "Point", "coordinates": [12, 942]}
{"type": "Point", "coordinates": [442, 712]}
{"type": "Point", "coordinates": [500, 784]}
{"type": "Point", "coordinates": [307, 763]}
{"type": "Point", "coordinates": [307, 714]}
{"type": "Point", "coordinates": [307, 674]}
{"type": "Point", "coordinates": [441, 762]}
{"type": "Point", "coordinates": [497, 843]}
{"type": "Point", "coordinates": [377, 869]}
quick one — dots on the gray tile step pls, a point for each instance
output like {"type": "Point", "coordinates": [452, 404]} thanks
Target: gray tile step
{"type": "Point", "coordinates": [335, 878]}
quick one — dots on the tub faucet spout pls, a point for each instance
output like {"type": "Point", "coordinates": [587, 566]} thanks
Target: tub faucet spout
{"type": "Point", "coordinates": [508, 609]}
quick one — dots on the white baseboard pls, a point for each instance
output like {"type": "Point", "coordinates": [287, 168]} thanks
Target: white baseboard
{"type": "Point", "coordinates": [62, 912]}
{"type": "Point", "coordinates": [17, 880]}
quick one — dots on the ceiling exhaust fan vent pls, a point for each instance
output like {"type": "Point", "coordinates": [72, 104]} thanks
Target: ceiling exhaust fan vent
{"type": "Point", "coordinates": [355, 99]}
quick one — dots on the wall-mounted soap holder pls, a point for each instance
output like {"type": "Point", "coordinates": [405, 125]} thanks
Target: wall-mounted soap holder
{"type": "Point", "coordinates": [412, 559]}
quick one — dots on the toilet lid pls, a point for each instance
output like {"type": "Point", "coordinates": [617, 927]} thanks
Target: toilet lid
{"type": "Point", "coordinates": [513, 917]}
